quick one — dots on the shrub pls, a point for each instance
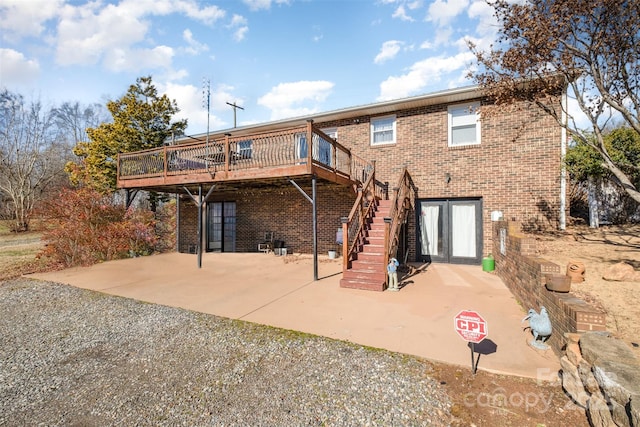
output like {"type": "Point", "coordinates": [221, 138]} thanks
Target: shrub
{"type": "Point", "coordinates": [86, 227]}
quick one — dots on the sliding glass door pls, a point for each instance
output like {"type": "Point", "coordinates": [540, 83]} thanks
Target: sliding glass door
{"type": "Point", "coordinates": [450, 230]}
{"type": "Point", "coordinates": [221, 227]}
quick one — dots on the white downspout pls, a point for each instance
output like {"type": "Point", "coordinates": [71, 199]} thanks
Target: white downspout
{"type": "Point", "coordinates": [562, 218]}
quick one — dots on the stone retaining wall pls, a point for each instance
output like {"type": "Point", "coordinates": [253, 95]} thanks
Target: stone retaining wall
{"type": "Point", "coordinates": [602, 374]}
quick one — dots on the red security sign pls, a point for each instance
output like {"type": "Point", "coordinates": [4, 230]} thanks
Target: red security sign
{"type": "Point", "coordinates": [470, 326]}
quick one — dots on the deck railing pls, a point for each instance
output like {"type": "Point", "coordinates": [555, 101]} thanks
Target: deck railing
{"type": "Point", "coordinates": [288, 147]}
{"type": "Point", "coordinates": [403, 202]}
{"type": "Point", "coordinates": [354, 226]}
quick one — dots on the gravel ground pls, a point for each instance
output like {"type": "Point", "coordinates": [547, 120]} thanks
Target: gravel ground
{"type": "Point", "coordinates": [74, 357]}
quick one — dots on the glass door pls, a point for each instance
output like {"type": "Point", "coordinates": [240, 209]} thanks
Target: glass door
{"type": "Point", "coordinates": [450, 231]}
{"type": "Point", "coordinates": [221, 227]}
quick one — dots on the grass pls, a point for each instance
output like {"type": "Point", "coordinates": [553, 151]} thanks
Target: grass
{"type": "Point", "coordinates": [18, 252]}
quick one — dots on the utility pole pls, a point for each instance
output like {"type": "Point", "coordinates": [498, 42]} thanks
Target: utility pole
{"type": "Point", "coordinates": [235, 107]}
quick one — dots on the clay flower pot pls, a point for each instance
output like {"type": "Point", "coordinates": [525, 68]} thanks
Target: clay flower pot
{"type": "Point", "coordinates": [558, 282]}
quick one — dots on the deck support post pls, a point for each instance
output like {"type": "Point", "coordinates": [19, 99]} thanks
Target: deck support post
{"type": "Point", "coordinates": [312, 199]}
{"type": "Point", "coordinates": [200, 203]}
{"type": "Point", "coordinates": [200, 226]}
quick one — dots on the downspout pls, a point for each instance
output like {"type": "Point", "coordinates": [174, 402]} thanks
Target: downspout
{"type": "Point", "coordinates": [562, 218]}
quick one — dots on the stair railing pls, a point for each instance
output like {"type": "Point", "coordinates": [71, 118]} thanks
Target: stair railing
{"type": "Point", "coordinates": [354, 226]}
{"type": "Point", "coordinates": [403, 202]}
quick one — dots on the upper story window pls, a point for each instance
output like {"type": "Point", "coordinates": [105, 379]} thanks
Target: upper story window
{"type": "Point", "coordinates": [331, 132]}
{"type": "Point", "coordinates": [464, 124]}
{"type": "Point", "coordinates": [245, 149]}
{"type": "Point", "coordinates": [383, 130]}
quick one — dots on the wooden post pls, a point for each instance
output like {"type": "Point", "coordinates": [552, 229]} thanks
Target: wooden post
{"type": "Point", "coordinates": [226, 151]}
{"type": "Point", "coordinates": [166, 161]}
{"type": "Point", "coordinates": [309, 144]}
{"type": "Point", "coordinates": [387, 228]}
{"type": "Point", "coordinates": [345, 243]}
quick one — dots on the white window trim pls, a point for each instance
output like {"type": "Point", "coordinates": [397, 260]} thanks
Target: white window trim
{"type": "Point", "coordinates": [372, 121]}
{"type": "Point", "coordinates": [330, 131]}
{"type": "Point", "coordinates": [470, 105]}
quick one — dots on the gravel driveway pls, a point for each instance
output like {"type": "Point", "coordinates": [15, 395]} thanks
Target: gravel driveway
{"type": "Point", "coordinates": [69, 356]}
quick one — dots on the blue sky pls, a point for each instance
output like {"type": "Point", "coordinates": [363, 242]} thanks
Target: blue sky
{"type": "Point", "coordinates": [275, 58]}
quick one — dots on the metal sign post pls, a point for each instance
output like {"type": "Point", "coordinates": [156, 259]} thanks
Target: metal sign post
{"type": "Point", "coordinates": [472, 328]}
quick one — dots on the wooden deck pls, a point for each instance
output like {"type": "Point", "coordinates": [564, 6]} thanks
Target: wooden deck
{"type": "Point", "coordinates": [271, 156]}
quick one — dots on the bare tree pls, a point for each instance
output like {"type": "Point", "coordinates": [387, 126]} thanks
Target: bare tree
{"type": "Point", "coordinates": [593, 48]}
{"type": "Point", "coordinates": [72, 121]}
{"type": "Point", "coordinates": [29, 157]}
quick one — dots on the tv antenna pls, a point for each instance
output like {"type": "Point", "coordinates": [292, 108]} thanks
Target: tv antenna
{"type": "Point", "coordinates": [235, 107]}
{"type": "Point", "coordinates": [206, 100]}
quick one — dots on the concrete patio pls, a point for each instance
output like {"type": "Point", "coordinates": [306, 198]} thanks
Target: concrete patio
{"type": "Point", "coordinates": [281, 292]}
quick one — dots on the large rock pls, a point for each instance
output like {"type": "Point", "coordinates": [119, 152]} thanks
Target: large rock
{"type": "Point", "coordinates": [571, 382]}
{"type": "Point", "coordinates": [621, 272]}
{"type": "Point", "coordinates": [634, 409]}
{"type": "Point", "coordinates": [586, 375]}
{"type": "Point", "coordinates": [603, 346]}
{"type": "Point", "coordinates": [619, 381]}
{"type": "Point", "coordinates": [598, 412]}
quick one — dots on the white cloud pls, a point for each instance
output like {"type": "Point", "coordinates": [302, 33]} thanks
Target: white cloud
{"type": "Point", "coordinates": [318, 31]}
{"type": "Point", "coordinates": [487, 27]}
{"type": "Point", "coordinates": [426, 45]}
{"type": "Point", "coordinates": [284, 100]}
{"type": "Point", "coordinates": [93, 33]}
{"type": "Point", "coordinates": [20, 18]}
{"type": "Point", "coordinates": [422, 74]}
{"type": "Point", "coordinates": [190, 8]}
{"type": "Point", "coordinates": [388, 51]}
{"type": "Point", "coordinates": [139, 59]}
{"type": "Point", "coordinates": [239, 25]}
{"type": "Point", "coordinates": [209, 15]}
{"type": "Point", "coordinates": [194, 47]}
{"type": "Point", "coordinates": [255, 5]}
{"type": "Point", "coordinates": [401, 14]}
{"type": "Point", "coordinates": [16, 69]}
{"type": "Point", "coordinates": [86, 33]}
{"type": "Point", "coordinates": [443, 11]}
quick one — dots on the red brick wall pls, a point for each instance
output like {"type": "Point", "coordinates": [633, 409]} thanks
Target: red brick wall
{"type": "Point", "coordinates": [516, 169]}
{"type": "Point", "coordinates": [188, 226]}
{"type": "Point", "coordinates": [285, 211]}
{"type": "Point", "coordinates": [524, 274]}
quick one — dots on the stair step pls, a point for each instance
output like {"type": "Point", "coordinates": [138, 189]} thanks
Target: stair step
{"type": "Point", "coordinates": [367, 270]}
{"type": "Point", "coordinates": [366, 264]}
{"type": "Point", "coordinates": [363, 285]}
{"type": "Point", "coordinates": [364, 275]}
{"type": "Point", "coordinates": [377, 257]}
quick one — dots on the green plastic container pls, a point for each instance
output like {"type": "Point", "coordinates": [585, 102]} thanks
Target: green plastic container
{"type": "Point", "coordinates": [488, 263]}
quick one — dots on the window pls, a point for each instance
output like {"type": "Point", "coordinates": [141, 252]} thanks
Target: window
{"type": "Point", "coordinates": [301, 148]}
{"type": "Point", "coordinates": [383, 130]}
{"type": "Point", "coordinates": [323, 150]}
{"type": "Point", "coordinates": [244, 149]}
{"type": "Point", "coordinates": [464, 124]}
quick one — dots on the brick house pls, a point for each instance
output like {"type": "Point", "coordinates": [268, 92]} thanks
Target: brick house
{"type": "Point", "coordinates": [430, 164]}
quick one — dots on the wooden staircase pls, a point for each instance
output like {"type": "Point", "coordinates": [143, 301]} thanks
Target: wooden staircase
{"type": "Point", "coordinates": [368, 270]}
